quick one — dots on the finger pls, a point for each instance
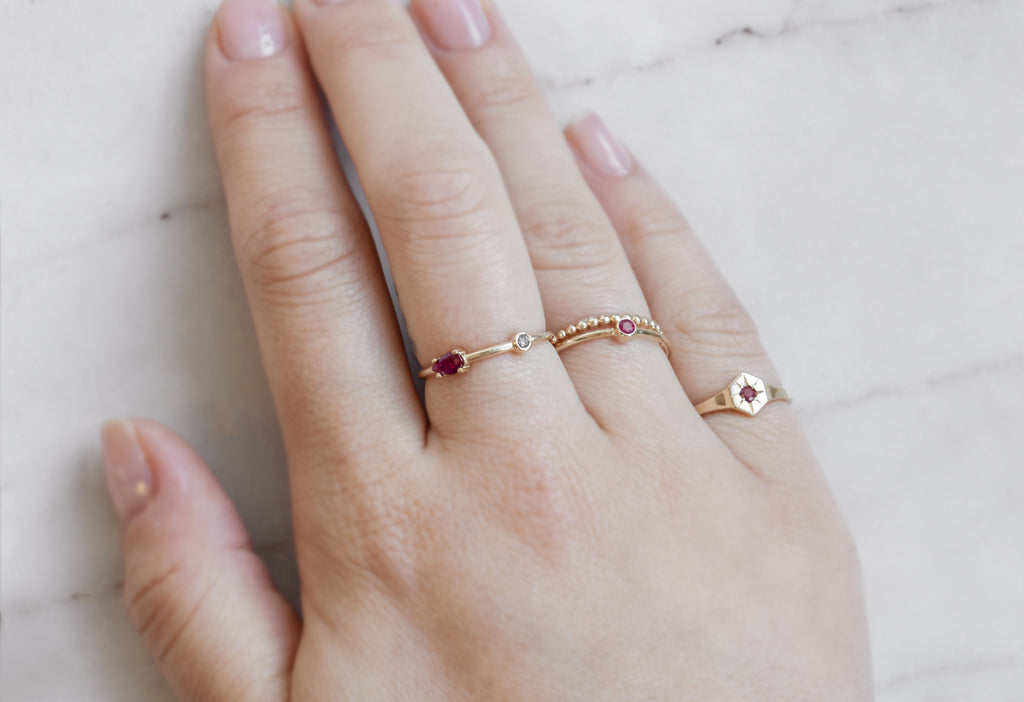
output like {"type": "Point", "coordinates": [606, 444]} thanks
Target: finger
{"type": "Point", "coordinates": [459, 262]}
{"type": "Point", "coordinates": [581, 268]}
{"type": "Point", "coordinates": [712, 335]}
{"type": "Point", "coordinates": [328, 335]}
{"type": "Point", "coordinates": [201, 599]}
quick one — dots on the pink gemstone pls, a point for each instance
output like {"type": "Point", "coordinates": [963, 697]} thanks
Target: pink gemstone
{"type": "Point", "coordinates": [627, 327]}
{"type": "Point", "coordinates": [748, 393]}
{"type": "Point", "coordinates": [449, 364]}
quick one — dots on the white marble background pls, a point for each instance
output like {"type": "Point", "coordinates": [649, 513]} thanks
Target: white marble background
{"type": "Point", "coordinates": [856, 166]}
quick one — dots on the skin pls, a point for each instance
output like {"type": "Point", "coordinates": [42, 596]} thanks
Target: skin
{"type": "Point", "coordinates": [546, 527]}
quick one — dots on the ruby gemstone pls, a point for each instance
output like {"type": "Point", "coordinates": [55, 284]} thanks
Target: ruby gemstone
{"type": "Point", "coordinates": [627, 326]}
{"type": "Point", "coordinates": [748, 393]}
{"type": "Point", "coordinates": [449, 364]}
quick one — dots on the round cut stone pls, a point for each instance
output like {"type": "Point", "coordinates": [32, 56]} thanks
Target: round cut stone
{"type": "Point", "coordinates": [748, 393]}
{"type": "Point", "coordinates": [449, 364]}
{"type": "Point", "coordinates": [523, 341]}
{"type": "Point", "coordinates": [627, 327]}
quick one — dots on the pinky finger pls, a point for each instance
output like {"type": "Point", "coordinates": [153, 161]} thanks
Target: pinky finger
{"type": "Point", "coordinates": [201, 599]}
{"type": "Point", "coordinates": [712, 335]}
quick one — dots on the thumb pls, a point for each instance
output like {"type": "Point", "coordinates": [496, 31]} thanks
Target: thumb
{"type": "Point", "coordinates": [199, 596]}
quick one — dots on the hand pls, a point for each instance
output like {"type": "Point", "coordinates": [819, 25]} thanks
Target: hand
{"type": "Point", "coordinates": [549, 526]}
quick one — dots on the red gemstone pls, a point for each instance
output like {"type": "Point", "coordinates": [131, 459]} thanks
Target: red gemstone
{"type": "Point", "coordinates": [449, 364]}
{"type": "Point", "coordinates": [627, 326]}
{"type": "Point", "coordinates": [748, 393]}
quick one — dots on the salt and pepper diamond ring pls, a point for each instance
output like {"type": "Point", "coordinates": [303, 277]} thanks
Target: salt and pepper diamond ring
{"type": "Point", "coordinates": [746, 393]}
{"type": "Point", "coordinates": [620, 327]}
{"type": "Point", "coordinates": [458, 361]}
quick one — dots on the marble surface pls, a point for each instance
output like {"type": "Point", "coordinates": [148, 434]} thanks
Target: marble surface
{"type": "Point", "coordinates": [856, 166]}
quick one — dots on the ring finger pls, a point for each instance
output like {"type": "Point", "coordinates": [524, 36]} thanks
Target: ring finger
{"type": "Point", "coordinates": [713, 336]}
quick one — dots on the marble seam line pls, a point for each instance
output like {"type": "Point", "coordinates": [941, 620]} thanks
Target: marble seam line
{"type": "Point", "coordinates": [787, 29]}
{"type": "Point", "coordinates": [115, 233]}
{"type": "Point", "coordinates": [109, 589]}
{"type": "Point", "coordinates": [614, 72]}
{"type": "Point", "coordinates": [972, 667]}
{"type": "Point", "coordinates": [936, 379]}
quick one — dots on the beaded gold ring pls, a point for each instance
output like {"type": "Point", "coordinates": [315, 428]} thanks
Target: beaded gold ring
{"type": "Point", "coordinates": [621, 327]}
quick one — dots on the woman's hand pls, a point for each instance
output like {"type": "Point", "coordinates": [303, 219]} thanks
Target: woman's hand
{"type": "Point", "coordinates": [550, 526]}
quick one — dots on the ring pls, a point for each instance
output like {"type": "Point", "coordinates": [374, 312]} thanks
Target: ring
{"type": "Point", "coordinates": [459, 361]}
{"type": "Point", "coordinates": [746, 393]}
{"type": "Point", "coordinates": [621, 327]}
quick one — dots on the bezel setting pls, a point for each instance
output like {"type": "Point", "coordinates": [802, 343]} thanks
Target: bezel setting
{"type": "Point", "coordinates": [522, 342]}
{"type": "Point", "coordinates": [626, 327]}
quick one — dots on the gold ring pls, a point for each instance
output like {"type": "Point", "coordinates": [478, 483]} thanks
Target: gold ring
{"type": "Point", "coordinates": [458, 361]}
{"type": "Point", "coordinates": [746, 393]}
{"type": "Point", "coordinates": [621, 327]}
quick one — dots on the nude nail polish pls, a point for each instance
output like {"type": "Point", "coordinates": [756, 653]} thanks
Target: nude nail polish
{"type": "Point", "coordinates": [250, 29]}
{"type": "Point", "coordinates": [598, 147]}
{"type": "Point", "coordinates": [454, 25]}
{"type": "Point", "coordinates": [129, 478]}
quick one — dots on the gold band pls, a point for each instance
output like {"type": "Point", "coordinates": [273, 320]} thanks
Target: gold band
{"type": "Point", "coordinates": [458, 361]}
{"type": "Point", "coordinates": [746, 393]}
{"type": "Point", "coordinates": [618, 326]}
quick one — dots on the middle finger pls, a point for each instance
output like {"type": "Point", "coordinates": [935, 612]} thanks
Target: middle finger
{"type": "Point", "coordinates": [461, 268]}
{"type": "Point", "coordinates": [579, 262]}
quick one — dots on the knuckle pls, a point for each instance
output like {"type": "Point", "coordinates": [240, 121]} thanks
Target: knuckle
{"type": "Point", "coordinates": [295, 251]}
{"type": "Point", "coordinates": [272, 98]}
{"type": "Point", "coordinates": [706, 311]}
{"type": "Point", "coordinates": [165, 603]}
{"type": "Point", "coordinates": [368, 35]}
{"type": "Point", "coordinates": [653, 222]}
{"type": "Point", "coordinates": [506, 93]}
{"type": "Point", "coordinates": [713, 317]}
{"type": "Point", "coordinates": [434, 193]}
{"type": "Point", "coordinates": [566, 235]}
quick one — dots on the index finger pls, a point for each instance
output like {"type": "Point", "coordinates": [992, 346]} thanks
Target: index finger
{"type": "Point", "coordinates": [327, 331]}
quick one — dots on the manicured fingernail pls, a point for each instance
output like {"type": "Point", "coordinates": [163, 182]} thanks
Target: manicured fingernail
{"type": "Point", "coordinates": [596, 145]}
{"type": "Point", "coordinates": [454, 24]}
{"type": "Point", "coordinates": [250, 29]}
{"type": "Point", "coordinates": [129, 478]}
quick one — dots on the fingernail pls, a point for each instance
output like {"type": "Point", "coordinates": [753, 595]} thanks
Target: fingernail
{"type": "Point", "coordinates": [455, 24]}
{"type": "Point", "coordinates": [250, 29]}
{"type": "Point", "coordinates": [598, 147]}
{"type": "Point", "coordinates": [129, 478]}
